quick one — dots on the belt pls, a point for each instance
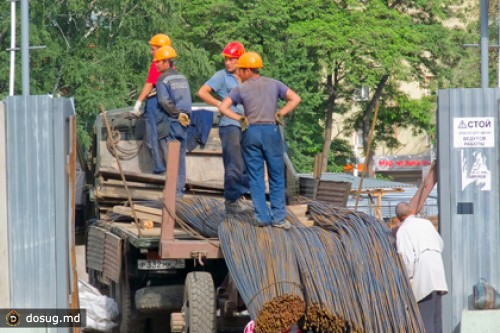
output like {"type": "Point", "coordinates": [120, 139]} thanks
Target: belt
{"type": "Point", "coordinates": [264, 123]}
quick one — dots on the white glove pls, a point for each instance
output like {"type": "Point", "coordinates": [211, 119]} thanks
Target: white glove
{"type": "Point", "coordinates": [137, 109]}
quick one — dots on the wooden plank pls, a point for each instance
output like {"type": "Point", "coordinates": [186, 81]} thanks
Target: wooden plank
{"type": "Point", "coordinates": [133, 176]}
{"type": "Point", "coordinates": [169, 197]}
{"type": "Point", "coordinates": [300, 211]}
{"type": "Point", "coordinates": [140, 215]}
{"type": "Point", "coordinates": [148, 210]}
{"type": "Point", "coordinates": [119, 182]}
{"type": "Point", "coordinates": [118, 192]}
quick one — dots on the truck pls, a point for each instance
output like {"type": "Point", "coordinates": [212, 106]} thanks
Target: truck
{"type": "Point", "coordinates": [154, 268]}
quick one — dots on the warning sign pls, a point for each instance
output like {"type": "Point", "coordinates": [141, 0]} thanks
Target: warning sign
{"type": "Point", "coordinates": [473, 132]}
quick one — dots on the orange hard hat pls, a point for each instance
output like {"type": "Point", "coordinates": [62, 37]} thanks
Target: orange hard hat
{"type": "Point", "coordinates": [160, 40]}
{"type": "Point", "coordinates": [250, 60]}
{"type": "Point", "coordinates": [233, 50]}
{"type": "Point", "coordinates": [165, 52]}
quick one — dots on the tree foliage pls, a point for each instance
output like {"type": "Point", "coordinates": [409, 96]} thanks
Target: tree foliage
{"type": "Point", "coordinates": [97, 51]}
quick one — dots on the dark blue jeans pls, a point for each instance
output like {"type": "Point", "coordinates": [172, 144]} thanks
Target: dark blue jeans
{"type": "Point", "coordinates": [177, 133]}
{"type": "Point", "coordinates": [264, 143]}
{"type": "Point", "coordinates": [154, 117]}
{"type": "Point", "coordinates": [236, 181]}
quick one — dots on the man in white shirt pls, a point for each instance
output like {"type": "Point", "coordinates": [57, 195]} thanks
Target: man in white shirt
{"type": "Point", "coordinates": [420, 247]}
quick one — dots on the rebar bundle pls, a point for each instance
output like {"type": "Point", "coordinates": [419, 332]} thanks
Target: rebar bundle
{"type": "Point", "coordinates": [385, 297]}
{"type": "Point", "coordinates": [323, 274]}
{"type": "Point", "coordinates": [351, 276]}
{"type": "Point", "coordinates": [263, 266]}
{"type": "Point", "coordinates": [203, 214]}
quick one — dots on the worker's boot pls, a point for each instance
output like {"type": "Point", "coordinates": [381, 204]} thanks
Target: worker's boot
{"type": "Point", "coordinates": [237, 207]}
{"type": "Point", "coordinates": [282, 224]}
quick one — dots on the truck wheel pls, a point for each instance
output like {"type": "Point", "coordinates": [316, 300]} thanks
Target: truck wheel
{"type": "Point", "coordinates": [130, 321]}
{"type": "Point", "coordinates": [198, 309]}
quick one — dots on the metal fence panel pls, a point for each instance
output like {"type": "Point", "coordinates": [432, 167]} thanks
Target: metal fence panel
{"type": "Point", "coordinates": [39, 197]}
{"type": "Point", "coordinates": [468, 150]}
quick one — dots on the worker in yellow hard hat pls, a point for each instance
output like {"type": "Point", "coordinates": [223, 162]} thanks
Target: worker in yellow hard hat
{"type": "Point", "coordinates": [236, 182]}
{"type": "Point", "coordinates": [174, 99]}
{"type": "Point", "coordinates": [261, 139]}
{"type": "Point", "coordinates": [156, 124]}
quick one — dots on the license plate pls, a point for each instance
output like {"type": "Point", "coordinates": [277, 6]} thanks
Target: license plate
{"type": "Point", "coordinates": [159, 264]}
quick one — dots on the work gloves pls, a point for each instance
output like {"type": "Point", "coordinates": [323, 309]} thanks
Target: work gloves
{"type": "Point", "coordinates": [136, 112]}
{"type": "Point", "coordinates": [243, 123]}
{"type": "Point", "coordinates": [184, 119]}
{"type": "Point", "coordinates": [279, 119]}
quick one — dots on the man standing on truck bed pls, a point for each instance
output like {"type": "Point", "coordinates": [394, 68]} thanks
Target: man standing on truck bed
{"type": "Point", "coordinates": [261, 138]}
{"type": "Point", "coordinates": [174, 98]}
{"type": "Point", "coordinates": [235, 178]}
{"type": "Point", "coordinates": [156, 122]}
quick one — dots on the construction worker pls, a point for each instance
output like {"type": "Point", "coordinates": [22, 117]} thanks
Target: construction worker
{"type": "Point", "coordinates": [261, 138]}
{"type": "Point", "coordinates": [174, 98]}
{"type": "Point", "coordinates": [235, 178]}
{"type": "Point", "coordinates": [156, 123]}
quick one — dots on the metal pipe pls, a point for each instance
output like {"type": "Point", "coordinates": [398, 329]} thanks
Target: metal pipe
{"type": "Point", "coordinates": [12, 70]}
{"type": "Point", "coordinates": [25, 49]}
{"type": "Point", "coordinates": [484, 43]}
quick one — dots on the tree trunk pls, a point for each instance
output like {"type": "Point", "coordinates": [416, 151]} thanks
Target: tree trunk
{"type": "Point", "coordinates": [367, 122]}
{"type": "Point", "coordinates": [330, 86]}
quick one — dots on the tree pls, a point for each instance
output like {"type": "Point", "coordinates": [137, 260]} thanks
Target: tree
{"type": "Point", "coordinates": [97, 52]}
{"type": "Point", "coordinates": [359, 44]}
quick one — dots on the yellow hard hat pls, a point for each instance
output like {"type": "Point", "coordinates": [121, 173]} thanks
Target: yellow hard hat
{"type": "Point", "coordinates": [165, 52]}
{"type": "Point", "coordinates": [160, 40]}
{"type": "Point", "coordinates": [250, 60]}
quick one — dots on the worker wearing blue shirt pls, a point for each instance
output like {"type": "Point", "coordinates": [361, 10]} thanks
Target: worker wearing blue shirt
{"type": "Point", "coordinates": [236, 182]}
{"type": "Point", "coordinates": [174, 98]}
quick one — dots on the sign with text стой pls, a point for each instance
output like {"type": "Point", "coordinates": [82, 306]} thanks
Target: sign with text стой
{"type": "Point", "coordinates": [474, 132]}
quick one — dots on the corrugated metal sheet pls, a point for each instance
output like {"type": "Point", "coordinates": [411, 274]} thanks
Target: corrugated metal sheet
{"type": "Point", "coordinates": [368, 183]}
{"type": "Point", "coordinates": [330, 191]}
{"type": "Point", "coordinates": [95, 248]}
{"type": "Point", "coordinates": [113, 257]}
{"type": "Point", "coordinates": [4, 237]}
{"type": "Point", "coordinates": [39, 196]}
{"type": "Point", "coordinates": [472, 240]}
{"type": "Point", "coordinates": [394, 192]}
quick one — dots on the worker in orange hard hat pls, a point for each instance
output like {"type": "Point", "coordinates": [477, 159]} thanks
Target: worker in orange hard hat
{"type": "Point", "coordinates": [156, 123]}
{"type": "Point", "coordinates": [174, 99]}
{"type": "Point", "coordinates": [261, 139]}
{"type": "Point", "coordinates": [236, 183]}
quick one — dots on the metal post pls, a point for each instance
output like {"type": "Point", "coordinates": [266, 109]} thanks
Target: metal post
{"type": "Point", "coordinates": [12, 73]}
{"type": "Point", "coordinates": [484, 43]}
{"type": "Point", "coordinates": [25, 49]}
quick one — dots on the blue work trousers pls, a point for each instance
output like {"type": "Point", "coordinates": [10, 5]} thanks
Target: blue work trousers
{"type": "Point", "coordinates": [264, 143]}
{"type": "Point", "coordinates": [177, 133]}
{"type": "Point", "coordinates": [236, 182]}
{"type": "Point", "coordinates": [153, 117]}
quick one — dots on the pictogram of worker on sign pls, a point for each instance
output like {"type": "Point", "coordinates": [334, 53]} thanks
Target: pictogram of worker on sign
{"type": "Point", "coordinates": [475, 172]}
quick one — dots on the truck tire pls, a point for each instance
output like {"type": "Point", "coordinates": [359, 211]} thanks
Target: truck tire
{"type": "Point", "coordinates": [130, 320]}
{"type": "Point", "coordinates": [199, 309]}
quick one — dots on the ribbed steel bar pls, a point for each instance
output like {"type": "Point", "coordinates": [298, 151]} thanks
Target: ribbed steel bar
{"type": "Point", "coordinates": [262, 263]}
{"type": "Point", "coordinates": [386, 299]}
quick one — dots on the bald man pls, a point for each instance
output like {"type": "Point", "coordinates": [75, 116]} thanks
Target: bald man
{"type": "Point", "coordinates": [421, 247]}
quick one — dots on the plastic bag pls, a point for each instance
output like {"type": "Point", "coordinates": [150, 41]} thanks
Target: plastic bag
{"type": "Point", "coordinates": [485, 296]}
{"type": "Point", "coordinates": [102, 311]}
